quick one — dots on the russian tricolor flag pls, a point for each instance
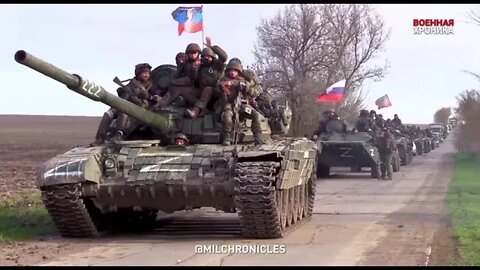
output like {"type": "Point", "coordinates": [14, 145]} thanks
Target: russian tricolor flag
{"type": "Point", "coordinates": [334, 93]}
{"type": "Point", "coordinates": [190, 19]}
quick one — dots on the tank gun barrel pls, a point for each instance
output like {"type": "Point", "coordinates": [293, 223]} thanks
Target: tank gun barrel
{"type": "Point", "coordinates": [92, 91]}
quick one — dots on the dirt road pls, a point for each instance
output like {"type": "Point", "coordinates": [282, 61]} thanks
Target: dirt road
{"type": "Point", "coordinates": [357, 221]}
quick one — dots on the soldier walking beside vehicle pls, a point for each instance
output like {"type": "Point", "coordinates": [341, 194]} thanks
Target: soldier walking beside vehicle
{"type": "Point", "coordinates": [386, 148]}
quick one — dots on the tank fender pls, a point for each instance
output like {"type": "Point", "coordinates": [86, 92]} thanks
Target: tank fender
{"type": "Point", "coordinates": [80, 164]}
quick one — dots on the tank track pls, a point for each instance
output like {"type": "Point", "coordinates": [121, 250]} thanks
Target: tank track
{"type": "Point", "coordinates": [68, 211]}
{"type": "Point", "coordinates": [266, 212]}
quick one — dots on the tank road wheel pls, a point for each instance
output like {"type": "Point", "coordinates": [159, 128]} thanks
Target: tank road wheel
{"type": "Point", "coordinates": [265, 212]}
{"type": "Point", "coordinates": [70, 214]}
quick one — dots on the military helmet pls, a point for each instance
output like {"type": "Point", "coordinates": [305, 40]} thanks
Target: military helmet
{"type": "Point", "coordinates": [180, 55]}
{"type": "Point", "coordinates": [235, 65]}
{"type": "Point", "coordinates": [235, 60]}
{"type": "Point", "coordinates": [373, 112]}
{"type": "Point", "coordinates": [139, 68]}
{"type": "Point", "coordinates": [364, 112]}
{"type": "Point", "coordinates": [208, 52]}
{"type": "Point", "coordinates": [328, 111]}
{"type": "Point", "coordinates": [193, 47]}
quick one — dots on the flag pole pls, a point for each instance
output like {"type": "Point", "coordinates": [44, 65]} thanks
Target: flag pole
{"type": "Point", "coordinates": [203, 31]}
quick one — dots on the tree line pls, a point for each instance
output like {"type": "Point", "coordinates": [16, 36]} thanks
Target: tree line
{"type": "Point", "coordinates": [306, 48]}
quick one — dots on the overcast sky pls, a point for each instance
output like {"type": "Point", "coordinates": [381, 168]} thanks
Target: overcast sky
{"type": "Point", "coordinates": [100, 42]}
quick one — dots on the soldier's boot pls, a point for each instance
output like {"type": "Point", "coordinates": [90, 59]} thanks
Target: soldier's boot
{"type": "Point", "coordinates": [167, 99]}
{"type": "Point", "coordinates": [200, 105]}
{"type": "Point", "coordinates": [390, 172]}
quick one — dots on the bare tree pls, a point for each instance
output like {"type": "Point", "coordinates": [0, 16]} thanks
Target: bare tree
{"type": "Point", "coordinates": [306, 48]}
{"type": "Point", "coordinates": [442, 115]}
{"type": "Point", "coordinates": [468, 110]}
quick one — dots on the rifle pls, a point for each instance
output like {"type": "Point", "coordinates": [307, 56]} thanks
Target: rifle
{"type": "Point", "coordinates": [236, 116]}
{"type": "Point", "coordinates": [129, 93]}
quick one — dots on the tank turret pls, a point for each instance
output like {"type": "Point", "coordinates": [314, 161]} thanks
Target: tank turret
{"type": "Point", "coordinates": [94, 92]}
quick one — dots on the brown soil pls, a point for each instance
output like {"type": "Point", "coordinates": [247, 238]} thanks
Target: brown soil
{"type": "Point", "coordinates": [25, 143]}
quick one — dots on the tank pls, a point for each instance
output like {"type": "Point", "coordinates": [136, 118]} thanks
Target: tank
{"type": "Point", "coordinates": [346, 149]}
{"type": "Point", "coordinates": [90, 190]}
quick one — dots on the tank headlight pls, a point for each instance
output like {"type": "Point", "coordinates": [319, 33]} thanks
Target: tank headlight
{"type": "Point", "coordinates": [109, 163]}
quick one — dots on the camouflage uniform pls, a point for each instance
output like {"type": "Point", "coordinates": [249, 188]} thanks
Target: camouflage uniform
{"type": "Point", "coordinates": [230, 88]}
{"type": "Point", "coordinates": [363, 124]}
{"type": "Point", "coordinates": [139, 97]}
{"type": "Point", "coordinates": [379, 121]}
{"type": "Point", "coordinates": [328, 116]}
{"type": "Point", "coordinates": [211, 70]}
{"type": "Point", "coordinates": [396, 121]}
{"type": "Point", "coordinates": [386, 147]}
{"type": "Point", "coordinates": [185, 80]}
{"type": "Point", "coordinates": [180, 58]}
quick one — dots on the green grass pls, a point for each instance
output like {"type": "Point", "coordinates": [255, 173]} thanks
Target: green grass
{"type": "Point", "coordinates": [24, 217]}
{"type": "Point", "coordinates": [464, 204]}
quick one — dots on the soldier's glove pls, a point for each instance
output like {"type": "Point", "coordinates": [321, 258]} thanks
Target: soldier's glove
{"type": "Point", "coordinates": [142, 95]}
{"type": "Point", "coordinates": [243, 87]}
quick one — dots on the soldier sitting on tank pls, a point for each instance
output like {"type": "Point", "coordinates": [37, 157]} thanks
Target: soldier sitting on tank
{"type": "Point", "coordinates": [231, 85]}
{"type": "Point", "coordinates": [137, 92]}
{"type": "Point", "coordinates": [386, 147]}
{"type": "Point", "coordinates": [328, 115]}
{"type": "Point", "coordinates": [363, 123]}
{"type": "Point", "coordinates": [379, 121]}
{"type": "Point", "coordinates": [211, 69]}
{"type": "Point", "coordinates": [181, 58]}
{"type": "Point", "coordinates": [396, 121]}
{"type": "Point", "coordinates": [185, 80]}
{"type": "Point", "coordinates": [139, 95]}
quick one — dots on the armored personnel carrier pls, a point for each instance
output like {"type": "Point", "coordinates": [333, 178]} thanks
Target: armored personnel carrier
{"type": "Point", "coordinates": [174, 163]}
{"type": "Point", "coordinates": [404, 147]}
{"type": "Point", "coordinates": [346, 149]}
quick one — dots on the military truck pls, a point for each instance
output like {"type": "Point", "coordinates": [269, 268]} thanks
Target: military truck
{"type": "Point", "coordinates": [174, 164]}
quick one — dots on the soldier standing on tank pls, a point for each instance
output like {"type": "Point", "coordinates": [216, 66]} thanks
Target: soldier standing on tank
{"type": "Point", "coordinates": [181, 58]}
{"type": "Point", "coordinates": [396, 121]}
{"type": "Point", "coordinates": [379, 121]}
{"type": "Point", "coordinates": [211, 69]}
{"type": "Point", "coordinates": [139, 94]}
{"type": "Point", "coordinates": [328, 115]}
{"type": "Point", "coordinates": [363, 123]}
{"type": "Point", "coordinates": [386, 147]}
{"type": "Point", "coordinates": [186, 79]}
{"type": "Point", "coordinates": [230, 86]}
